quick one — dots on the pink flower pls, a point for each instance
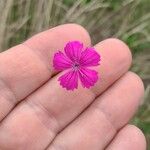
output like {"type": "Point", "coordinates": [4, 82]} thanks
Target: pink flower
{"type": "Point", "coordinates": [77, 63]}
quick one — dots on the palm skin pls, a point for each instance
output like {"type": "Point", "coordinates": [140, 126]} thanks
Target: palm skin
{"type": "Point", "coordinates": [36, 113]}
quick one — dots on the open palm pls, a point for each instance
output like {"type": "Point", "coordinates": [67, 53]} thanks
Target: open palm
{"type": "Point", "coordinates": [36, 113]}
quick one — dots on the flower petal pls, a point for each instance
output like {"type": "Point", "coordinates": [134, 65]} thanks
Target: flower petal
{"type": "Point", "coordinates": [73, 50]}
{"type": "Point", "coordinates": [61, 62]}
{"type": "Point", "coordinates": [88, 77]}
{"type": "Point", "coordinates": [69, 80]}
{"type": "Point", "coordinates": [89, 57]}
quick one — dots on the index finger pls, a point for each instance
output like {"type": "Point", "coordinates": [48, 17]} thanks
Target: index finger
{"type": "Point", "coordinates": [27, 66]}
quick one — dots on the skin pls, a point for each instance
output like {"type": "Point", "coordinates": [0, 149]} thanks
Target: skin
{"type": "Point", "coordinates": [36, 113]}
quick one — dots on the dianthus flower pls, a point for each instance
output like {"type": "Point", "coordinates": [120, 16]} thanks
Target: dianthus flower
{"type": "Point", "coordinates": [76, 62]}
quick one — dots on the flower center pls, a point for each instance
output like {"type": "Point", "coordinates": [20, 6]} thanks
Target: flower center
{"type": "Point", "coordinates": [76, 66]}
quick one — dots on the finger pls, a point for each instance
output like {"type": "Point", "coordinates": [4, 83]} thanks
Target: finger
{"type": "Point", "coordinates": [27, 66]}
{"type": "Point", "coordinates": [129, 138]}
{"type": "Point", "coordinates": [96, 127]}
{"type": "Point", "coordinates": [51, 108]}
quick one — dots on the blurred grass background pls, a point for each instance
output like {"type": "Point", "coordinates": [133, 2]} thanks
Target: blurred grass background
{"type": "Point", "coordinates": [128, 20]}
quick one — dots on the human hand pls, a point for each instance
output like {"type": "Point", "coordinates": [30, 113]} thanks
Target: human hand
{"type": "Point", "coordinates": [36, 113]}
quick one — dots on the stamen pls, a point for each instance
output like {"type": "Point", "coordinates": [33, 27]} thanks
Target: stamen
{"type": "Point", "coordinates": [76, 66]}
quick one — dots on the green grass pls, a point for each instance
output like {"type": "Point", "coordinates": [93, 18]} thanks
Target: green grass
{"type": "Point", "coordinates": [128, 20]}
